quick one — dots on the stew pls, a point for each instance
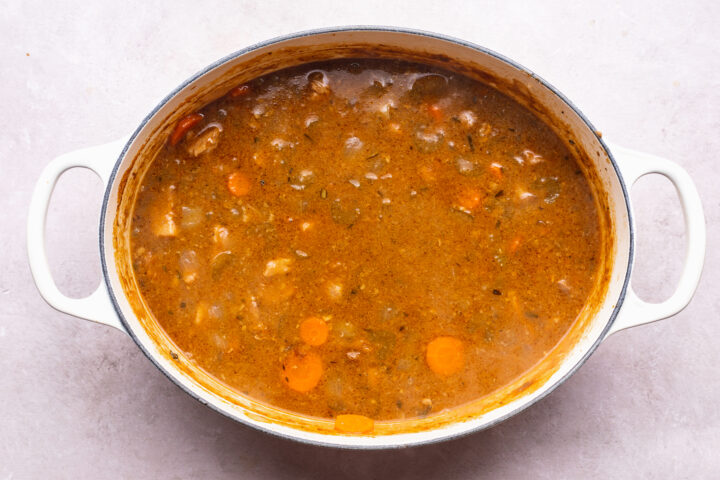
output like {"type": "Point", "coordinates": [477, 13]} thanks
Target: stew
{"type": "Point", "coordinates": [365, 240]}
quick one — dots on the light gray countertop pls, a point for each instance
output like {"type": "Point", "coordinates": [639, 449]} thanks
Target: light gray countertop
{"type": "Point", "coordinates": [79, 400]}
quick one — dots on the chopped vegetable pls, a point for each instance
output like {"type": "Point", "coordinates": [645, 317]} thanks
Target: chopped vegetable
{"type": "Point", "coordinates": [524, 195]}
{"type": "Point", "coordinates": [302, 372]}
{"type": "Point", "coordinates": [189, 266]}
{"type": "Point", "coordinates": [191, 217]}
{"type": "Point", "coordinates": [467, 118]}
{"type": "Point", "coordinates": [428, 139]}
{"type": "Point", "coordinates": [385, 108]}
{"type": "Point", "coordinates": [318, 84]}
{"type": "Point", "coordinates": [302, 178]}
{"type": "Point", "coordinates": [165, 226]}
{"type": "Point", "coordinates": [220, 262]}
{"type": "Point", "coordinates": [311, 119]}
{"type": "Point", "coordinates": [205, 142]}
{"type": "Point", "coordinates": [351, 423]}
{"type": "Point", "coordinates": [445, 355]}
{"type": "Point", "coordinates": [277, 266]}
{"type": "Point", "coordinates": [353, 145]}
{"type": "Point", "coordinates": [319, 87]}
{"type": "Point", "coordinates": [259, 111]}
{"type": "Point", "coordinates": [465, 167]}
{"type": "Point", "coordinates": [530, 157]}
{"type": "Point", "coordinates": [183, 126]}
{"type": "Point", "coordinates": [201, 313]}
{"type": "Point", "coordinates": [239, 184]}
{"type": "Point", "coordinates": [334, 291]}
{"type": "Point", "coordinates": [220, 235]}
{"type": "Point", "coordinates": [469, 199]}
{"type": "Point", "coordinates": [314, 331]}
{"type": "Point", "coordinates": [497, 170]}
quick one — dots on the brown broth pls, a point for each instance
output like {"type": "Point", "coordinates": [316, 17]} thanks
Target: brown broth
{"type": "Point", "coordinates": [396, 203]}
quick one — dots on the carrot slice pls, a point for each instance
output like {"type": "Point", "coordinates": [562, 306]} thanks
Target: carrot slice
{"type": "Point", "coordinates": [302, 372]}
{"type": "Point", "coordinates": [182, 127]}
{"type": "Point", "coordinates": [469, 199]}
{"type": "Point", "coordinates": [445, 355]}
{"type": "Point", "coordinates": [239, 91]}
{"type": "Point", "coordinates": [239, 184]}
{"type": "Point", "coordinates": [314, 331]}
{"type": "Point", "coordinates": [351, 423]}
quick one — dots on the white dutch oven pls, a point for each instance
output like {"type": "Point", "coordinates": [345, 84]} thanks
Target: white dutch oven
{"type": "Point", "coordinates": [120, 166]}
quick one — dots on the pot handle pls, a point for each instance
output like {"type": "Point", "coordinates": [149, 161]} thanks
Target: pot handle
{"type": "Point", "coordinates": [96, 307]}
{"type": "Point", "coordinates": [633, 165]}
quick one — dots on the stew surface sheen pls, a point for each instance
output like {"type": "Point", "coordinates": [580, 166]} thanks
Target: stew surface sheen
{"type": "Point", "coordinates": [365, 240]}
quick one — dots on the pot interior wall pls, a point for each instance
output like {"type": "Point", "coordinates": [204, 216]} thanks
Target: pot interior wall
{"type": "Point", "coordinates": [487, 67]}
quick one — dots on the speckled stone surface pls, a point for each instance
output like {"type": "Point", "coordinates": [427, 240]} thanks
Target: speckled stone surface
{"type": "Point", "coordinates": [79, 400]}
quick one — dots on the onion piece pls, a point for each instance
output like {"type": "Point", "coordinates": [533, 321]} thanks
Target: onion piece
{"type": "Point", "coordinates": [189, 266]}
{"type": "Point", "coordinates": [191, 217]}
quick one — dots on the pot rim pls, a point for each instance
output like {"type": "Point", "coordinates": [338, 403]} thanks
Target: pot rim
{"type": "Point", "coordinates": [432, 435]}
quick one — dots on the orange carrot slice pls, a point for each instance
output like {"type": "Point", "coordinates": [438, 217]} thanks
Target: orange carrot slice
{"type": "Point", "coordinates": [314, 331]}
{"type": "Point", "coordinates": [302, 372]}
{"type": "Point", "coordinates": [445, 355]}
{"type": "Point", "coordinates": [182, 127]}
{"type": "Point", "coordinates": [239, 184]}
{"type": "Point", "coordinates": [351, 423]}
